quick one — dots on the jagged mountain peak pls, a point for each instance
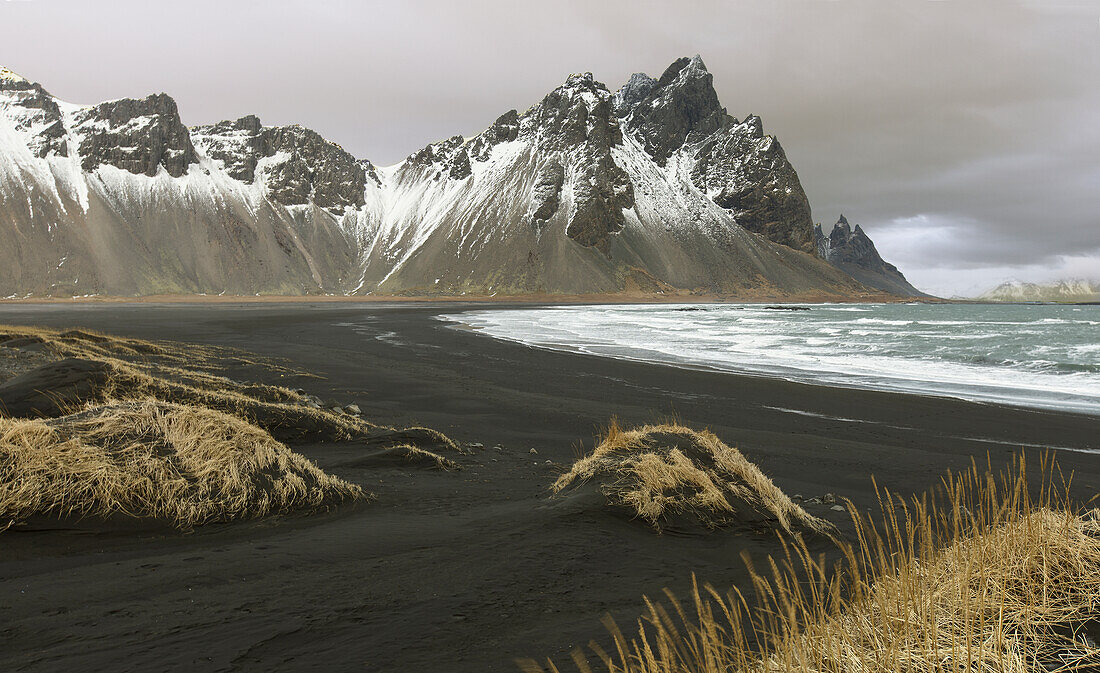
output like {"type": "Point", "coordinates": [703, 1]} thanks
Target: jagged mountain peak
{"type": "Point", "coordinates": [13, 81]}
{"type": "Point", "coordinates": [451, 158]}
{"type": "Point", "coordinates": [684, 69]}
{"type": "Point", "coordinates": [853, 251]}
{"type": "Point", "coordinates": [578, 111]}
{"type": "Point", "coordinates": [577, 89]}
{"type": "Point", "coordinates": [566, 117]}
{"type": "Point", "coordinates": [753, 127]}
{"type": "Point", "coordinates": [682, 107]}
{"type": "Point", "coordinates": [580, 90]}
{"type": "Point", "coordinates": [582, 81]}
{"type": "Point", "coordinates": [842, 231]}
{"type": "Point", "coordinates": [34, 111]}
{"type": "Point", "coordinates": [634, 91]}
{"type": "Point", "coordinates": [296, 164]}
{"type": "Point", "coordinates": [140, 136]}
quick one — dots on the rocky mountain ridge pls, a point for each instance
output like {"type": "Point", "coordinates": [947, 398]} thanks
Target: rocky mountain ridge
{"type": "Point", "coordinates": [852, 251]}
{"type": "Point", "coordinates": [653, 187]}
{"type": "Point", "coordinates": [732, 162]}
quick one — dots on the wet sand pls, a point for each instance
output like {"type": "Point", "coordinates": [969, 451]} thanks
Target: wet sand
{"type": "Point", "coordinates": [460, 571]}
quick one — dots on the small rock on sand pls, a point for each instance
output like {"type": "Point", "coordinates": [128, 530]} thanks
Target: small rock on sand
{"type": "Point", "coordinates": [533, 452]}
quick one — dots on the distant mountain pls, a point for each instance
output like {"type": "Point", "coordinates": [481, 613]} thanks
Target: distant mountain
{"type": "Point", "coordinates": [652, 187]}
{"type": "Point", "coordinates": [1060, 291]}
{"type": "Point", "coordinates": [853, 252]}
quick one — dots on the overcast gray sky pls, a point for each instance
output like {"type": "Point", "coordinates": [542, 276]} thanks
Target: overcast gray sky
{"type": "Point", "coordinates": [963, 135]}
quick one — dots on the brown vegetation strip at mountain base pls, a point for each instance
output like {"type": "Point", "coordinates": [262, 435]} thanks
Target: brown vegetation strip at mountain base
{"type": "Point", "coordinates": [664, 472]}
{"type": "Point", "coordinates": [983, 575]}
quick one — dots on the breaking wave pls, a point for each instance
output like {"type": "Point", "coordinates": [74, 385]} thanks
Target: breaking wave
{"type": "Point", "coordinates": [1024, 355]}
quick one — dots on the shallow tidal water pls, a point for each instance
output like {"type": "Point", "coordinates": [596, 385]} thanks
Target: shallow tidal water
{"type": "Point", "coordinates": [1042, 356]}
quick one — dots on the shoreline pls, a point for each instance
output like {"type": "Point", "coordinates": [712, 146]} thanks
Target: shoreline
{"type": "Point", "coordinates": [547, 299]}
{"type": "Point", "coordinates": [793, 376]}
{"type": "Point", "coordinates": [526, 299]}
{"type": "Point", "coordinates": [481, 558]}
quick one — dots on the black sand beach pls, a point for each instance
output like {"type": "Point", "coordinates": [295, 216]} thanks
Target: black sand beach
{"type": "Point", "coordinates": [456, 571]}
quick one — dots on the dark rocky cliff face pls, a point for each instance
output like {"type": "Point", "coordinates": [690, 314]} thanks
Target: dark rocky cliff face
{"type": "Point", "coordinates": [576, 120]}
{"type": "Point", "coordinates": [853, 252]}
{"type": "Point", "coordinates": [633, 92]}
{"type": "Point", "coordinates": [547, 192]}
{"type": "Point", "coordinates": [37, 113]}
{"type": "Point", "coordinates": [316, 170]}
{"type": "Point", "coordinates": [680, 108]}
{"type": "Point", "coordinates": [307, 168]}
{"type": "Point", "coordinates": [748, 174]}
{"type": "Point", "coordinates": [238, 144]}
{"type": "Point", "coordinates": [734, 163]}
{"type": "Point", "coordinates": [449, 158]}
{"type": "Point", "coordinates": [139, 136]}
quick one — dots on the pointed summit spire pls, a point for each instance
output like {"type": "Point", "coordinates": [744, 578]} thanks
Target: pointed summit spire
{"type": "Point", "coordinates": [633, 92]}
{"type": "Point", "coordinates": [680, 105]}
{"type": "Point", "coordinates": [692, 67]}
{"type": "Point", "coordinates": [842, 220]}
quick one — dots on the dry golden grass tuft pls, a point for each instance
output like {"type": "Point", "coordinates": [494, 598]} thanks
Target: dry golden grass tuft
{"type": "Point", "coordinates": [659, 472]}
{"type": "Point", "coordinates": [81, 343]}
{"type": "Point", "coordinates": [151, 459]}
{"type": "Point", "coordinates": [181, 373]}
{"type": "Point", "coordinates": [153, 431]}
{"type": "Point", "coordinates": [184, 374]}
{"type": "Point", "coordinates": [986, 575]}
{"type": "Point", "coordinates": [415, 454]}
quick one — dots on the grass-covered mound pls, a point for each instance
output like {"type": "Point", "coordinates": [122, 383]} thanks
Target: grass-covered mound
{"type": "Point", "coordinates": [98, 426]}
{"type": "Point", "coordinates": [673, 475]}
{"type": "Point", "coordinates": [155, 460]}
{"type": "Point", "coordinates": [989, 574]}
{"type": "Point", "coordinates": [84, 368]}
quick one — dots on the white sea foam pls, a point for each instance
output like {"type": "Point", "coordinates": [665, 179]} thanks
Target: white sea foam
{"type": "Point", "coordinates": [1034, 356]}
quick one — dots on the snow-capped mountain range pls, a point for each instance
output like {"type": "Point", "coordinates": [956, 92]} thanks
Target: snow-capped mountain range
{"type": "Point", "coordinates": [653, 187]}
{"type": "Point", "coordinates": [1075, 290]}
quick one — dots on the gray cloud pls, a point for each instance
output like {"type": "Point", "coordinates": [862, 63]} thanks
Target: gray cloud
{"type": "Point", "coordinates": [962, 135]}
